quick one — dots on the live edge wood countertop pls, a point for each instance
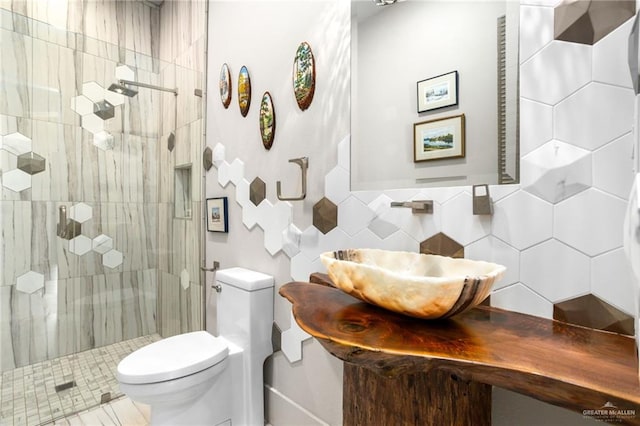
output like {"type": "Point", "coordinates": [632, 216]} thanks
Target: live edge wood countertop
{"type": "Point", "coordinates": [565, 365]}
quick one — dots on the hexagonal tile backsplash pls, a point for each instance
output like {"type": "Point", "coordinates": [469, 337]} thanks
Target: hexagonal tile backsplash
{"type": "Point", "coordinates": [556, 232]}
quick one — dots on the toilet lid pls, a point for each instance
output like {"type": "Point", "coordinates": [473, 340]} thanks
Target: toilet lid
{"type": "Point", "coordinates": [173, 357]}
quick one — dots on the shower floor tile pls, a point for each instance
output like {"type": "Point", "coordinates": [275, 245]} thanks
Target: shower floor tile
{"type": "Point", "coordinates": [40, 393]}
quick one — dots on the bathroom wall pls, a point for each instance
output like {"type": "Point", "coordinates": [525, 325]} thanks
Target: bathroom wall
{"type": "Point", "coordinates": [119, 278]}
{"type": "Point", "coordinates": [264, 37]}
{"type": "Point", "coordinates": [182, 54]}
{"type": "Point", "coordinates": [559, 232]}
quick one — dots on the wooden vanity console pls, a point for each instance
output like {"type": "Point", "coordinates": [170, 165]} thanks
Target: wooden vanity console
{"type": "Point", "coordinates": [404, 371]}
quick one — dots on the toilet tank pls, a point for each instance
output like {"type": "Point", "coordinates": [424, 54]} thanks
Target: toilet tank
{"type": "Point", "coordinates": [245, 308]}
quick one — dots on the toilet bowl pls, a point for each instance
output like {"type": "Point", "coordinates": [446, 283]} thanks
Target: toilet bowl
{"type": "Point", "coordinates": [184, 378]}
{"type": "Point", "coordinates": [199, 379]}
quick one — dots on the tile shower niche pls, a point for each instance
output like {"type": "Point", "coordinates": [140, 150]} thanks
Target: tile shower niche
{"type": "Point", "coordinates": [182, 192]}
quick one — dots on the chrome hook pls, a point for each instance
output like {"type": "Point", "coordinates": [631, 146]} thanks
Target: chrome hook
{"type": "Point", "coordinates": [303, 162]}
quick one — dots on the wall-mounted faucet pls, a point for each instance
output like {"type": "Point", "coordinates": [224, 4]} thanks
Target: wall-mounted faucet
{"type": "Point", "coordinates": [416, 206]}
{"type": "Point", "coordinates": [67, 228]}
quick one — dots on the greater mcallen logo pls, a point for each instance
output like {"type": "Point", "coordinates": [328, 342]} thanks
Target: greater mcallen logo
{"type": "Point", "coordinates": [609, 413]}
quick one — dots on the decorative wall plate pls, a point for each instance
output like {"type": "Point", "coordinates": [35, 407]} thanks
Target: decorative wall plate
{"type": "Point", "coordinates": [267, 120]}
{"type": "Point", "coordinates": [244, 91]}
{"type": "Point", "coordinates": [304, 75]}
{"type": "Point", "coordinates": [225, 85]}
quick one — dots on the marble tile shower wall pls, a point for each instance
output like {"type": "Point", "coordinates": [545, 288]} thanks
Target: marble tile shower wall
{"type": "Point", "coordinates": [49, 50]}
{"type": "Point", "coordinates": [182, 54]}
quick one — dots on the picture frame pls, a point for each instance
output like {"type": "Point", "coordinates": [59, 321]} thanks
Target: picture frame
{"type": "Point", "coordinates": [439, 139]}
{"type": "Point", "coordinates": [217, 214]}
{"type": "Point", "coordinates": [225, 85]}
{"type": "Point", "coordinates": [304, 75]}
{"type": "Point", "coordinates": [244, 91]}
{"type": "Point", "coordinates": [438, 92]}
{"type": "Point", "coordinates": [267, 121]}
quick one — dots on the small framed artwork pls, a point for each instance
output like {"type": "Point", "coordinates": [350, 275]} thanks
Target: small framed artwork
{"type": "Point", "coordinates": [438, 139]}
{"type": "Point", "coordinates": [244, 91]}
{"type": "Point", "coordinates": [217, 216]}
{"type": "Point", "coordinates": [267, 121]}
{"type": "Point", "coordinates": [438, 92]}
{"type": "Point", "coordinates": [304, 75]}
{"type": "Point", "coordinates": [225, 85]}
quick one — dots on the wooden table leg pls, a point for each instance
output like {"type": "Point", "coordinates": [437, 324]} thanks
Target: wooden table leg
{"type": "Point", "coordinates": [435, 398]}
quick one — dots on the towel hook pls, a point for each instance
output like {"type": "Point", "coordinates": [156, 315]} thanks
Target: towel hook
{"type": "Point", "coordinates": [303, 162]}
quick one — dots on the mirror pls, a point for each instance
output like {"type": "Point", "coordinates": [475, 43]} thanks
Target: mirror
{"type": "Point", "coordinates": [403, 57]}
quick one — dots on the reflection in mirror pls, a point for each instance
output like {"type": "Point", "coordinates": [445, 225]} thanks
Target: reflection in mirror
{"type": "Point", "coordinates": [404, 59]}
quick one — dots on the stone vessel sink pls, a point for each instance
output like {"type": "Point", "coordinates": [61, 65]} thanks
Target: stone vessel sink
{"type": "Point", "coordinates": [418, 285]}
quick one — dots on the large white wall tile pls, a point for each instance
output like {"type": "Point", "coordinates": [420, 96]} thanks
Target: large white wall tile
{"type": "Point", "coordinates": [613, 166]}
{"type": "Point", "coordinates": [610, 59]}
{"type": "Point", "coordinates": [302, 266]}
{"type": "Point", "coordinates": [243, 192]}
{"type": "Point", "coordinates": [491, 249]}
{"type": "Point", "coordinates": [336, 185]}
{"type": "Point", "coordinates": [590, 222]}
{"type": "Point", "coordinates": [250, 214]}
{"type": "Point", "coordinates": [555, 271]}
{"type": "Point", "coordinates": [354, 215]}
{"type": "Point", "coordinates": [536, 29]}
{"type": "Point", "coordinates": [459, 222]}
{"type": "Point", "coordinates": [537, 118]}
{"type": "Point", "coordinates": [274, 222]}
{"type": "Point", "coordinates": [381, 227]}
{"type": "Point", "coordinates": [556, 171]}
{"type": "Point", "coordinates": [521, 299]}
{"type": "Point", "coordinates": [555, 72]}
{"type": "Point", "coordinates": [612, 280]}
{"type": "Point", "coordinates": [419, 225]}
{"type": "Point", "coordinates": [596, 114]}
{"type": "Point", "coordinates": [522, 220]}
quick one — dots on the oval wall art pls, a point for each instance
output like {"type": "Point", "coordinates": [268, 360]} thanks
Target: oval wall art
{"type": "Point", "coordinates": [225, 85]}
{"type": "Point", "coordinates": [244, 91]}
{"type": "Point", "coordinates": [304, 75]}
{"type": "Point", "coordinates": [267, 120]}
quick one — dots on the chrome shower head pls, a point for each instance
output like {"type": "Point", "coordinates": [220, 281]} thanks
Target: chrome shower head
{"type": "Point", "coordinates": [123, 90]}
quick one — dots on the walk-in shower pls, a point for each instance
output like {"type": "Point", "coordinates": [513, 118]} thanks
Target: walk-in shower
{"type": "Point", "coordinates": [92, 255]}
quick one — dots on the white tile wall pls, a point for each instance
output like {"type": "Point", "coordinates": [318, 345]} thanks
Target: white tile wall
{"type": "Point", "coordinates": [559, 233]}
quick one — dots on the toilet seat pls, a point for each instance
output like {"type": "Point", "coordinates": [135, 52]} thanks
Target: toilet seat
{"type": "Point", "coordinates": [173, 357]}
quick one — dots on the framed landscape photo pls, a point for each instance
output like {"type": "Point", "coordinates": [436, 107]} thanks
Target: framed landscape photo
{"type": "Point", "coordinates": [438, 139]}
{"type": "Point", "coordinates": [217, 216]}
{"type": "Point", "coordinates": [438, 92]}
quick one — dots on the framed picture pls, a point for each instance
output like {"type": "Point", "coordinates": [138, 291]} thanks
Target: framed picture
{"type": "Point", "coordinates": [225, 85]}
{"type": "Point", "coordinates": [437, 139]}
{"type": "Point", "coordinates": [244, 91]}
{"type": "Point", "coordinates": [267, 121]}
{"type": "Point", "coordinates": [217, 217]}
{"type": "Point", "coordinates": [438, 92]}
{"type": "Point", "coordinates": [304, 75]}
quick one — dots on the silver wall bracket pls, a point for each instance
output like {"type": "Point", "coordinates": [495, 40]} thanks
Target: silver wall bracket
{"type": "Point", "coordinates": [303, 162]}
{"type": "Point", "coordinates": [416, 206]}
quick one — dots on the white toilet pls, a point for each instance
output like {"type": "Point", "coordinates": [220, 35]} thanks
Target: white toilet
{"type": "Point", "coordinates": [198, 379]}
